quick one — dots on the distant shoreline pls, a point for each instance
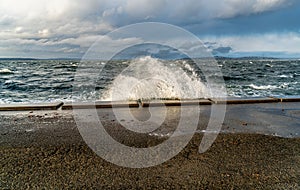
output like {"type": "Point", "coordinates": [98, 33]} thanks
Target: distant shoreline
{"type": "Point", "coordinates": [216, 57]}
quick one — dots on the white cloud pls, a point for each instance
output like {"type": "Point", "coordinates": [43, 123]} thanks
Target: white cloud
{"type": "Point", "coordinates": [285, 42]}
{"type": "Point", "coordinates": [39, 13]}
{"type": "Point", "coordinates": [232, 8]}
{"type": "Point", "coordinates": [263, 5]}
{"type": "Point", "coordinates": [44, 32]}
{"type": "Point", "coordinates": [19, 29]}
{"type": "Point", "coordinates": [44, 23]}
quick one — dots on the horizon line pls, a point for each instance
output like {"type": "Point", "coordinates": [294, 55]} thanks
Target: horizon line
{"type": "Point", "coordinates": [216, 57]}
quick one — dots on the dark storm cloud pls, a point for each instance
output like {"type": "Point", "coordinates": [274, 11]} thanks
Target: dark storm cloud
{"type": "Point", "coordinates": [72, 25]}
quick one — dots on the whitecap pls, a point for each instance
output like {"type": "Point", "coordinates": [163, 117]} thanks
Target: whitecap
{"type": "Point", "coordinates": [6, 71]}
{"type": "Point", "coordinates": [263, 87]}
{"type": "Point", "coordinates": [285, 76]}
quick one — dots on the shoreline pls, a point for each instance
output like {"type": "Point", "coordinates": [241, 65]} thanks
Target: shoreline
{"type": "Point", "coordinates": [145, 103]}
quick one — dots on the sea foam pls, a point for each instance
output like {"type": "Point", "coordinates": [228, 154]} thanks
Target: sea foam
{"type": "Point", "coordinates": [6, 71]}
{"type": "Point", "coordinates": [151, 78]}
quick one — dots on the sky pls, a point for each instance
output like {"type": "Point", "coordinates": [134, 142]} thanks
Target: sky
{"type": "Point", "coordinates": [67, 28]}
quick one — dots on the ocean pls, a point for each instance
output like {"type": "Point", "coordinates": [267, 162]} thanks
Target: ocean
{"type": "Point", "coordinates": [33, 81]}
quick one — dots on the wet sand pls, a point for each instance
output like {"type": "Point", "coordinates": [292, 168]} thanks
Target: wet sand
{"type": "Point", "coordinates": [45, 150]}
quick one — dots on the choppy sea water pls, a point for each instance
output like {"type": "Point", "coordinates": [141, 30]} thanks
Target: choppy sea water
{"type": "Point", "coordinates": [53, 80]}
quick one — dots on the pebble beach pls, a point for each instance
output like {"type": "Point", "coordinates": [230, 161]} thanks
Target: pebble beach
{"type": "Point", "coordinates": [44, 150]}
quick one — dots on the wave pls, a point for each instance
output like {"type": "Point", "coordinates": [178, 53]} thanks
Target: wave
{"type": "Point", "coordinates": [285, 76]}
{"type": "Point", "coordinates": [151, 78]}
{"type": "Point", "coordinates": [238, 78]}
{"type": "Point", "coordinates": [147, 77]}
{"type": "Point", "coordinates": [263, 87]}
{"type": "Point", "coordinates": [5, 72]}
{"type": "Point", "coordinates": [269, 65]}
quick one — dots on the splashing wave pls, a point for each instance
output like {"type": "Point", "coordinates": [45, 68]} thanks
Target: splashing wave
{"type": "Point", "coordinates": [151, 78]}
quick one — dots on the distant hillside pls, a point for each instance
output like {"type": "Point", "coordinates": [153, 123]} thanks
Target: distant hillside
{"type": "Point", "coordinates": [20, 59]}
{"type": "Point", "coordinates": [243, 58]}
{"type": "Point", "coordinates": [216, 57]}
{"type": "Point", "coordinates": [23, 59]}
